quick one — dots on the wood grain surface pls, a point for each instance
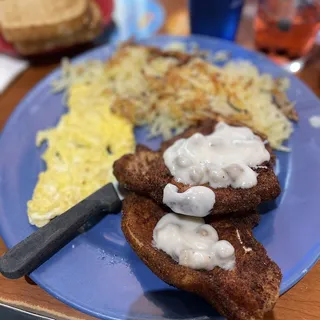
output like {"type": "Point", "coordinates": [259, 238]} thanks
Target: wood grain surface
{"type": "Point", "coordinates": [302, 302]}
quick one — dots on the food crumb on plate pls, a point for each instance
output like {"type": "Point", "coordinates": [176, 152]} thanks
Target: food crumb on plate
{"type": "Point", "coordinates": [315, 121]}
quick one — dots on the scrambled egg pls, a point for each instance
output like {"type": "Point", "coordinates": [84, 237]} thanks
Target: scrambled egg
{"type": "Point", "coordinates": [81, 151]}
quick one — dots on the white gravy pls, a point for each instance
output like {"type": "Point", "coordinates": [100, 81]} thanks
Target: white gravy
{"type": "Point", "coordinates": [192, 243]}
{"type": "Point", "coordinates": [196, 201]}
{"type": "Point", "coordinates": [223, 158]}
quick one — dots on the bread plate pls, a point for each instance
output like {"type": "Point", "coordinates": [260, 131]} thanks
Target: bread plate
{"type": "Point", "coordinates": [150, 11]}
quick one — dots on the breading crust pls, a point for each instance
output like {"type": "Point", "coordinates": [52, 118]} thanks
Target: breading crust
{"type": "Point", "coordinates": [244, 293]}
{"type": "Point", "coordinates": [146, 173]}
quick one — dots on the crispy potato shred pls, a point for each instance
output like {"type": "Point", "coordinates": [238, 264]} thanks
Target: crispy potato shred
{"type": "Point", "coordinates": [171, 90]}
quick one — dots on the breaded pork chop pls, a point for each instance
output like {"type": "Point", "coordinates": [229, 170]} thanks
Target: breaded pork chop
{"type": "Point", "coordinates": [244, 293]}
{"type": "Point", "coordinates": [145, 173]}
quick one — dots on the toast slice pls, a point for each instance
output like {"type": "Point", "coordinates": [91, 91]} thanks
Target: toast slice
{"type": "Point", "coordinates": [32, 20]}
{"type": "Point", "coordinates": [87, 33]}
{"type": "Point", "coordinates": [244, 293]}
{"type": "Point", "coordinates": [146, 173]}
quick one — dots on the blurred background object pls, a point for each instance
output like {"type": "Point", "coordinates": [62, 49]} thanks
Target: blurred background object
{"type": "Point", "coordinates": [110, 21]}
{"type": "Point", "coordinates": [135, 18]}
{"type": "Point", "coordinates": [286, 30]}
{"type": "Point", "coordinates": [10, 68]}
{"type": "Point", "coordinates": [39, 26]}
{"type": "Point", "coordinates": [215, 18]}
{"type": "Point", "coordinates": [120, 20]}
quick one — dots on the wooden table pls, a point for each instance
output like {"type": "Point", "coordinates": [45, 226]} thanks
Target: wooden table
{"type": "Point", "coordinates": [301, 303]}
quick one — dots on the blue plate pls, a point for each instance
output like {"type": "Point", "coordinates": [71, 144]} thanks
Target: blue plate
{"type": "Point", "coordinates": [98, 273]}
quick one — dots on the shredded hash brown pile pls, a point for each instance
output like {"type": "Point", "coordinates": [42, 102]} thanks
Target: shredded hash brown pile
{"type": "Point", "coordinates": [171, 90]}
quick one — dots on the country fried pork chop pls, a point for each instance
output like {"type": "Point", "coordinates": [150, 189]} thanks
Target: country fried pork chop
{"type": "Point", "coordinates": [145, 173]}
{"type": "Point", "coordinates": [244, 293]}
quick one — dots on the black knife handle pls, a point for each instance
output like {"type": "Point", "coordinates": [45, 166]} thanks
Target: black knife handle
{"type": "Point", "coordinates": [30, 253]}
